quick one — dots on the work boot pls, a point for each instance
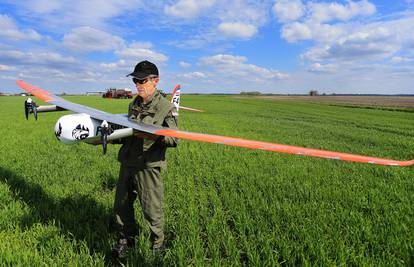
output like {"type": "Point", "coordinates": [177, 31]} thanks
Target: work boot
{"type": "Point", "coordinates": [120, 249]}
{"type": "Point", "coordinates": [159, 251]}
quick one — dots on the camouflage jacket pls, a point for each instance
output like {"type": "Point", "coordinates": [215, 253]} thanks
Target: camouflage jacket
{"type": "Point", "coordinates": [139, 152]}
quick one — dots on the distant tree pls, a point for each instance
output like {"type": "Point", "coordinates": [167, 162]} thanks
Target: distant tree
{"type": "Point", "coordinates": [313, 92]}
{"type": "Point", "coordinates": [251, 93]}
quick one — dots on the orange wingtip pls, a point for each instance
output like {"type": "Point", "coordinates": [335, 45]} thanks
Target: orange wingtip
{"type": "Point", "coordinates": [37, 92]}
{"type": "Point", "coordinates": [281, 148]}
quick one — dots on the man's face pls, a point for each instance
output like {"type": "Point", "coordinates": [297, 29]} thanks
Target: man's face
{"type": "Point", "coordinates": [146, 87]}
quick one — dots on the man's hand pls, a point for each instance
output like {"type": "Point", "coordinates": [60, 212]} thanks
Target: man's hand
{"type": "Point", "coordinates": [146, 135]}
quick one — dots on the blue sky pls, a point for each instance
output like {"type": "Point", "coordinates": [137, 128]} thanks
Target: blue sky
{"type": "Point", "coordinates": [282, 46]}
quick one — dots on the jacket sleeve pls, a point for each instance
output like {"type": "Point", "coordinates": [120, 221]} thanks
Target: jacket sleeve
{"type": "Point", "coordinates": [171, 121]}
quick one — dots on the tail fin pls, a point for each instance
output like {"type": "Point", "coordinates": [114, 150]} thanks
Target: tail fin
{"type": "Point", "coordinates": [176, 100]}
{"type": "Point", "coordinates": [176, 96]}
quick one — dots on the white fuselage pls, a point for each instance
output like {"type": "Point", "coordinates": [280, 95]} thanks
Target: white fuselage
{"type": "Point", "coordinates": [74, 128]}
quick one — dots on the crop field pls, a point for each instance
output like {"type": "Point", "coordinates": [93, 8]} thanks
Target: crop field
{"type": "Point", "coordinates": [224, 206]}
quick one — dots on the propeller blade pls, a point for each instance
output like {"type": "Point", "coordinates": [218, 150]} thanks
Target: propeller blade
{"type": "Point", "coordinates": [105, 131]}
{"type": "Point", "coordinates": [30, 107]}
{"type": "Point", "coordinates": [35, 112]}
{"type": "Point", "coordinates": [104, 140]}
{"type": "Point", "coordinates": [26, 110]}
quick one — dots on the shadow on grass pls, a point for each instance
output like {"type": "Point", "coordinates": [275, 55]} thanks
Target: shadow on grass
{"type": "Point", "coordinates": [79, 217]}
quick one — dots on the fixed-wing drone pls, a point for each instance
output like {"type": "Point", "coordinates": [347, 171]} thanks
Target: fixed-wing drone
{"type": "Point", "coordinates": [90, 125]}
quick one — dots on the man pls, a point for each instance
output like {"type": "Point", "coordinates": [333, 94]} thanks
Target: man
{"type": "Point", "coordinates": [142, 158]}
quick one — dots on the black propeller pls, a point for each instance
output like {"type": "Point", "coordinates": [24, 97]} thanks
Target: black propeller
{"type": "Point", "coordinates": [105, 131]}
{"type": "Point", "coordinates": [30, 107]}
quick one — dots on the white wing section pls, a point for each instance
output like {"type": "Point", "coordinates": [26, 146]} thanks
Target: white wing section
{"type": "Point", "coordinates": [120, 119]}
{"type": "Point", "coordinates": [95, 113]}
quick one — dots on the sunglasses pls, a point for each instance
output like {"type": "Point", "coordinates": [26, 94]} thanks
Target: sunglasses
{"type": "Point", "coordinates": [135, 80]}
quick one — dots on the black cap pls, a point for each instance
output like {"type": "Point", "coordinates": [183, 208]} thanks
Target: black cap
{"type": "Point", "coordinates": [144, 69]}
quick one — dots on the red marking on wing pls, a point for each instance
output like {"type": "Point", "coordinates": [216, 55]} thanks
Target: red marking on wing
{"type": "Point", "coordinates": [281, 148]}
{"type": "Point", "coordinates": [175, 89]}
{"type": "Point", "coordinates": [39, 93]}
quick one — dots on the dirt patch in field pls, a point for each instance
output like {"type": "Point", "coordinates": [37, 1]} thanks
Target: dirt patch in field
{"type": "Point", "coordinates": [375, 101]}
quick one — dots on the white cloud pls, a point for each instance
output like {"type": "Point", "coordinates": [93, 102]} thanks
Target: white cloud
{"type": "Point", "coordinates": [192, 75]}
{"type": "Point", "coordinates": [316, 53]}
{"type": "Point", "coordinates": [6, 68]}
{"type": "Point", "coordinates": [95, 12]}
{"type": "Point", "coordinates": [46, 6]}
{"type": "Point", "coordinates": [45, 66]}
{"type": "Point", "coordinates": [187, 8]}
{"type": "Point", "coordinates": [225, 20]}
{"type": "Point", "coordinates": [398, 59]}
{"type": "Point", "coordinates": [82, 72]}
{"type": "Point", "coordinates": [239, 30]}
{"type": "Point", "coordinates": [296, 31]}
{"type": "Point", "coordinates": [338, 34]}
{"type": "Point", "coordinates": [87, 39]}
{"type": "Point", "coordinates": [313, 25]}
{"type": "Point", "coordinates": [242, 11]}
{"type": "Point", "coordinates": [115, 66]}
{"type": "Point", "coordinates": [229, 65]}
{"type": "Point", "coordinates": [36, 58]}
{"type": "Point", "coordinates": [184, 64]}
{"type": "Point", "coordinates": [9, 30]}
{"type": "Point", "coordinates": [349, 51]}
{"type": "Point", "coordinates": [323, 68]}
{"type": "Point", "coordinates": [367, 35]}
{"type": "Point", "coordinates": [324, 12]}
{"type": "Point", "coordinates": [222, 59]}
{"type": "Point", "coordinates": [318, 32]}
{"type": "Point", "coordinates": [141, 51]}
{"type": "Point", "coordinates": [143, 45]}
{"type": "Point", "coordinates": [62, 14]}
{"type": "Point", "coordinates": [8, 77]}
{"type": "Point", "coordinates": [50, 57]}
{"type": "Point", "coordinates": [288, 10]}
{"type": "Point", "coordinates": [373, 41]}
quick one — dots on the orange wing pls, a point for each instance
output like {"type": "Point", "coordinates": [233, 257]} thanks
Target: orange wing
{"type": "Point", "coordinates": [230, 141]}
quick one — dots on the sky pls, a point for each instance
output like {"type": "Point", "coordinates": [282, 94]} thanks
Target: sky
{"type": "Point", "coordinates": [229, 46]}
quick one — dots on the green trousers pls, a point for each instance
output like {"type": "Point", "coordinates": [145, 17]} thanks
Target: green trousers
{"type": "Point", "coordinates": [147, 184]}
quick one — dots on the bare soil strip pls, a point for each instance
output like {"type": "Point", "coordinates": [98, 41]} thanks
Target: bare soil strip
{"type": "Point", "coordinates": [380, 101]}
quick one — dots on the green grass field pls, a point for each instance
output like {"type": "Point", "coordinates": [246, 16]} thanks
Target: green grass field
{"type": "Point", "coordinates": [225, 206]}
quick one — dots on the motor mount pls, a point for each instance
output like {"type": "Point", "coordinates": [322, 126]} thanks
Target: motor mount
{"type": "Point", "coordinates": [105, 131]}
{"type": "Point", "coordinates": [30, 107]}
